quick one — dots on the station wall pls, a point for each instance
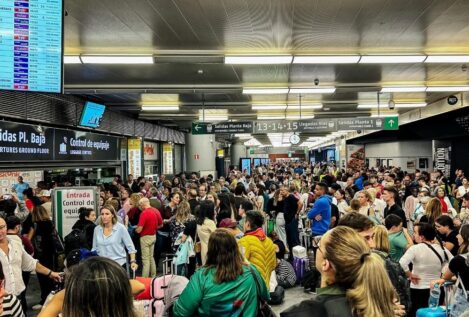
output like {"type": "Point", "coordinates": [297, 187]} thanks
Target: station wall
{"type": "Point", "coordinates": [409, 155]}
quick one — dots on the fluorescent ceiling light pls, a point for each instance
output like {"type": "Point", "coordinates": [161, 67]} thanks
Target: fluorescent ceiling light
{"type": "Point", "coordinates": [404, 89]}
{"type": "Point", "coordinates": [304, 107]}
{"type": "Point", "coordinates": [391, 59]}
{"type": "Point", "coordinates": [267, 117]}
{"type": "Point", "coordinates": [447, 59]}
{"type": "Point", "coordinates": [313, 90]}
{"type": "Point", "coordinates": [117, 59]}
{"type": "Point", "coordinates": [243, 136]}
{"type": "Point", "coordinates": [269, 107]}
{"type": "Point", "coordinates": [72, 59]}
{"type": "Point", "coordinates": [213, 118]}
{"type": "Point", "coordinates": [410, 105]}
{"type": "Point", "coordinates": [384, 115]}
{"type": "Point", "coordinates": [160, 107]}
{"type": "Point", "coordinates": [326, 59]}
{"type": "Point", "coordinates": [252, 142]}
{"type": "Point", "coordinates": [258, 59]}
{"type": "Point", "coordinates": [254, 91]}
{"type": "Point", "coordinates": [367, 106]}
{"type": "Point", "coordinates": [447, 88]}
{"type": "Point", "coordinates": [295, 117]}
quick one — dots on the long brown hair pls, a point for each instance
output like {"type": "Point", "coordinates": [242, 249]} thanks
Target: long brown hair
{"type": "Point", "coordinates": [223, 255]}
{"type": "Point", "coordinates": [98, 287]}
{"type": "Point", "coordinates": [39, 213]}
{"type": "Point", "coordinates": [362, 273]}
{"type": "Point", "coordinates": [433, 210]}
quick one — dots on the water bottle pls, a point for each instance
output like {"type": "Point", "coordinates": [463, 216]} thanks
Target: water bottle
{"type": "Point", "coordinates": [434, 299]}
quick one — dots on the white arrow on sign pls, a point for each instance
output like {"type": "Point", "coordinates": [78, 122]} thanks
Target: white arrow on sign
{"type": "Point", "coordinates": [197, 128]}
{"type": "Point", "coordinates": [391, 123]}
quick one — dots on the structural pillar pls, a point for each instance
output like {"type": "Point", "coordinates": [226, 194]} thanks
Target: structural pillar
{"type": "Point", "coordinates": [238, 150]}
{"type": "Point", "coordinates": [200, 153]}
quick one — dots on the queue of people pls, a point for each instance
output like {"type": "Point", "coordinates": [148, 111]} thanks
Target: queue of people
{"type": "Point", "coordinates": [398, 227]}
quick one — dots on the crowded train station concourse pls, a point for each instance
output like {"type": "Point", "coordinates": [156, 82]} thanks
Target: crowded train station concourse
{"type": "Point", "coordinates": [234, 158]}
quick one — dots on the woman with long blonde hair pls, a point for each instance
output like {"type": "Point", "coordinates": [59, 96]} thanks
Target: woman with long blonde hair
{"type": "Point", "coordinates": [432, 211]}
{"type": "Point", "coordinates": [352, 276]}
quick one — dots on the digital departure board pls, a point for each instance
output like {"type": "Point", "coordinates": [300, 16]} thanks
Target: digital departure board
{"type": "Point", "coordinates": [31, 45]}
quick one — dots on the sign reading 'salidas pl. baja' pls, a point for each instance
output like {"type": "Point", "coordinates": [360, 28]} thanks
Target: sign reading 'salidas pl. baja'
{"type": "Point", "coordinates": [25, 142]}
{"type": "Point", "coordinates": [21, 142]}
{"type": "Point", "coordinates": [66, 202]}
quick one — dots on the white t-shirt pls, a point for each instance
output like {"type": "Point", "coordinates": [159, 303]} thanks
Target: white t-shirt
{"type": "Point", "coordinates": [427, 266]}
{"type": "Point", "coordinates": [462, 191]}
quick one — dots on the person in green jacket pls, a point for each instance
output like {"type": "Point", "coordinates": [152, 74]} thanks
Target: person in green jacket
{"type": "Point", "coordinates": [225, 285]}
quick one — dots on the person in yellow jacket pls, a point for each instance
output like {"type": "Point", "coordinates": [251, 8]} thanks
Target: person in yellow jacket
{"type": "Point", "coordinates": [256, 247]}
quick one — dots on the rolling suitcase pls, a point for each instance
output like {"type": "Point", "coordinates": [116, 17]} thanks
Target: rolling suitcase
{"type": "Point", "coordinates": [300, 265]}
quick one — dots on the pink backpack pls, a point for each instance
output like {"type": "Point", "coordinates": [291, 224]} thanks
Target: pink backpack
{"type": "Point", "coordinates": [165, 290]}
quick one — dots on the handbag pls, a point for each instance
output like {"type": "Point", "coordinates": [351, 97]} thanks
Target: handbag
{"type": "Point", "coordinates": [263, 308]}
{"type": "Point", "coordinates": [459, 302]}
{"type": "Point", "coordinates": [197, 244]}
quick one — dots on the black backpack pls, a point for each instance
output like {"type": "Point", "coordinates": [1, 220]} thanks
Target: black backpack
{"type": "Point", "coordinates": [76, 240]}
{"type": "Point", "coordinates": [398, 279]}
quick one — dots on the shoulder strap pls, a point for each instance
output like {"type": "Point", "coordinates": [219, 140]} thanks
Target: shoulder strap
{"type": "Point", "coordinates": [258, 287]}
{"type": "Point", "coordinates": [434, 251]}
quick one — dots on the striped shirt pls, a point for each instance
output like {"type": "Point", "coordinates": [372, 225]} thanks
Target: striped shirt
{"type": "Point", "coordinates": [11, 307]}
{"type": "Point", "coordinates": [285, 273]}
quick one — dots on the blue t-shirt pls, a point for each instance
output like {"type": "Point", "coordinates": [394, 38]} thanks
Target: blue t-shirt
{"type": "Point", "coordinates": [19, 188]}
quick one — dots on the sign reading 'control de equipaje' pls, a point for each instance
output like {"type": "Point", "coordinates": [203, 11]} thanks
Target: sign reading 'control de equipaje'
{"type": "Point", "coordinates": [76, 145]}
{"type": "Point", "coordinates": [23, 142]}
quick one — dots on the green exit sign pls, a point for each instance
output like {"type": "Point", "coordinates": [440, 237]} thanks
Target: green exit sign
{"type": "Point", "coordinates": [391, 123]}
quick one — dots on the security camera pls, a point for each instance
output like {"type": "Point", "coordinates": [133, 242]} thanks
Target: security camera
{"type": "Point", "coordinates": [391, 104]}
{"type": "Point", "coordinates": [359, 131]}
{"type": "Point", "coordinates": [316, 81]}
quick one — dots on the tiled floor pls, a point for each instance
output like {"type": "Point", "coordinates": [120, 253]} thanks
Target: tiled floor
{"type": "Point", "coordinates": [292, 297]}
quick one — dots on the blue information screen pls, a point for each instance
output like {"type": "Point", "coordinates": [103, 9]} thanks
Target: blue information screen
{"type": "Point", "coordinates": [31, 45]}
{"type": "Point", "coordinates": [92, 114]}
{"type": "Point", "coordinates": [246, 165]}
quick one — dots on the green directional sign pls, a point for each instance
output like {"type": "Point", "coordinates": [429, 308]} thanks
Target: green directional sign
{"type": "Point", "coordinates": [199, 128]}
{"type": "Point", "coordinates": [391, 123]}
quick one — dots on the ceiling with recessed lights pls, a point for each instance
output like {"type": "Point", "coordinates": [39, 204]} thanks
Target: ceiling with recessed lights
{"type": "Point", "coordinates": [177, 61]}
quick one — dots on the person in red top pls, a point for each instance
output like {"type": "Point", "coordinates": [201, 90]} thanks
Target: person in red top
{"type": "Point", "coordinates": [149, 223]}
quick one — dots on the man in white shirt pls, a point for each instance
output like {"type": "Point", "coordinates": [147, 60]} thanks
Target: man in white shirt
{"type": "Point", "coordinates": [15, 259]}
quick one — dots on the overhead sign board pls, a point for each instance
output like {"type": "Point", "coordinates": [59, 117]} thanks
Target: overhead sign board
{"type": "Point", "coordinates": [24, 142]}
{"type": "Point", "coordinates": [389, 123]}
{"type": "Point", "coordinates": [315, 125]}
{"type": "Point", "coordinates": [199, 128]}
{"type": "Point", "coordinates": [78, 146]}
{"type": "Point", "coordinates": [326, 125]}
{"type": "Point", "coordinates": [21, 142]}
{"type": "Point", "coordinates": [233, 127]}
{"type": "Point", "coordinates": [305, 126]}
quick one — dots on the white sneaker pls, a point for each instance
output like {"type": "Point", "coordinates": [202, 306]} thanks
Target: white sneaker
{"type": "Point", "coordinates": [37, 307]}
